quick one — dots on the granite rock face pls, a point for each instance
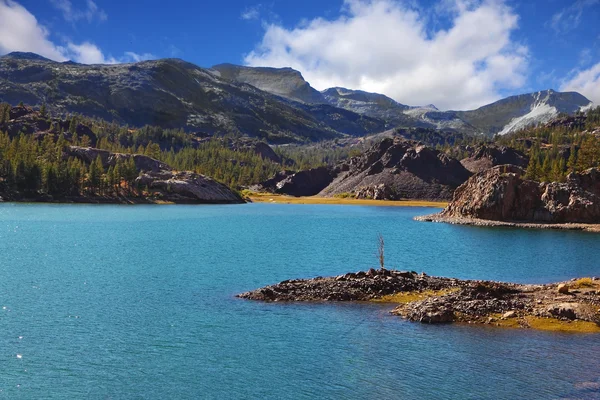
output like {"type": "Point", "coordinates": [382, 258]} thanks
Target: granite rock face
{"type": "Point", "coordinates": [186, 187]}
{"type": "Point", "coordinates": [503, 194]}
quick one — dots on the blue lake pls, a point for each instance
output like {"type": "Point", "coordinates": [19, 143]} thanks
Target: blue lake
{"type": "Point", "coordinates": [138, 302]}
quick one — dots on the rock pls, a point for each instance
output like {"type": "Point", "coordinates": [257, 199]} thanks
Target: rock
{"type": "Point", "coordinates": [564, 310]}
{"type": "Point", "coordinates": [305, 183]}
{"type": "Point", "coordinates": [488, 156]}
{"type": "Point", "coordinates": [377, 192]}
{"type": "Point", "coordinates": [503, 194]}
{"type": "Point", "coordinates": [563, 288]}
{"type": "Point", "coordinates": [429, 311]}
{"type": "Point", "coordinates": [186, 187]}
{"type": "Point", "coordinates": [440, 300]}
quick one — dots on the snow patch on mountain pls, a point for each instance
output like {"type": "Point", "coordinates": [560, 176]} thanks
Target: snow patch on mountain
{"type": "Point", "coordinates": [540, 113]}
{"type": "Point", "coordinates": [588, 107]}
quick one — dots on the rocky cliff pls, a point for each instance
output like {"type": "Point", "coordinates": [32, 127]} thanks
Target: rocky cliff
{"type": "Point", "coordinates": [503, 193]}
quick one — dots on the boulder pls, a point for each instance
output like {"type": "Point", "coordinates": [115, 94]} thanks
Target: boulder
{"type": "Point", "coordinates": [563, 288]}
{"type": "Point", "coordinates": [564, 310]}
{"type": "Point", "coordinates": [376, 192]}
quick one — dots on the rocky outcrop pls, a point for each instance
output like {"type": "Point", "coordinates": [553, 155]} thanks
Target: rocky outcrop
{"type": "Point", "coordinates": [270, 185]}
{"type": "Point", "coordinates": [185, 187]}
{"type": "Point", "coordinates": [392, 169]}
{"type": "Point", "coordinates": [377, 192]}
{"type": "Point", "coordinates": [305, 183]}
{"type": "Point", "coordinates": [486, 157]}
{"type": "Point", "coordinates": [409, 170]}
{"type": "Point", "coordinates": [359, 286]}
{"type": "Point", "coordinates": [25, 119]}
{"type": "Point", "coordinates": [503, 194]}
{"type": "Point", "coordinates": [434, 300]}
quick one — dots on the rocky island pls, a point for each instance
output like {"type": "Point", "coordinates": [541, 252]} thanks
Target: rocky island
{"type": "Point", "coordinates": [572, 306]}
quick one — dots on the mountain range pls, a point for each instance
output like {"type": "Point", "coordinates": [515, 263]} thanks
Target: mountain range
{"type": "Point", "coordinates": [275, 104]}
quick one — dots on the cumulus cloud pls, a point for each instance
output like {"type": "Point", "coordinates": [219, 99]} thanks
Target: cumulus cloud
{"type": "Point", "coordinates": [71, 14]}
{"type": "Point", "coordinates": [21, 31]}
{"type": "Point", "coordinates": [386, 46]}
{"type": "Point", "coordinates": [586, 82]}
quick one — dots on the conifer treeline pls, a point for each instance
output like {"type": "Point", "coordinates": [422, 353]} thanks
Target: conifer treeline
{"type": "Point", "coordinates": [557, 149]}
{"type": "Point", "coordinates": [32, 165]}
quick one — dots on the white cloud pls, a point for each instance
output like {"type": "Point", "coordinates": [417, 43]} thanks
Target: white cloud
{"type": "Point", "coordinates": [130, 56]}
{"type": "Point", "coordinates": [586, 82]}
{"type": "Point", "coordinates": [569, 17]}
{"type": "Point", "coordinates": [384, 46]}
{"type": "Point", "coordinates": [91, 12]}
{"type": "Point", "coordinates": [251, 13]}
{"type": "Point", "coordinates": [20, 31]}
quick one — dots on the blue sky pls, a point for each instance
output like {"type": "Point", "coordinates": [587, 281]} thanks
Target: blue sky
{"type": "Point", "coordinates": [456, 54]}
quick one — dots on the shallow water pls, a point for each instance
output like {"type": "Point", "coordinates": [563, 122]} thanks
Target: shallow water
{"type": "Point", "coordinates": [138, 302]}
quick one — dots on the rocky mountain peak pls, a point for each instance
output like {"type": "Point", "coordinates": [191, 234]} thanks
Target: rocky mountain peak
{"type": "Point", "coordinates": [20, 55]}
{"type": "Point", "coordinates": [284, 82]}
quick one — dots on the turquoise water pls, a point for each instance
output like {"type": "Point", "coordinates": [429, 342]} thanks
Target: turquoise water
{"type": "Point", "coordinates": [138, 302]}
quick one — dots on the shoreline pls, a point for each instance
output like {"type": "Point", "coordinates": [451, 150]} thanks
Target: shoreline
{"type": "Point", "coordinates": [568, 307]}
{"type": "Point", "coordinates": [281, 199]}
{"type": "Point", "coordinates": [567, 226]}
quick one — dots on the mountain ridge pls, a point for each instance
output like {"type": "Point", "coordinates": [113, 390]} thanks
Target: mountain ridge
{"type": "Point", "coordinates": [276, 104]}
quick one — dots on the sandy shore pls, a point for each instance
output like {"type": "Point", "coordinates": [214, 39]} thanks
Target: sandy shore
{"type": "Point", "coordinates": [279, 199]}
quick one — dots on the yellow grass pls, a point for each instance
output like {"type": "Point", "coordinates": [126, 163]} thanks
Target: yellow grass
{"type": "Point", "coordinates": [555, 325]}
{"type": "Point", "coordinates": [409, 297]}
{"type": "Point", "coordinates": [546, 324]}
{"type": "Point", "coordinates": [583, 283]}
{"type": "Point", "coordinates": [280, 199]}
